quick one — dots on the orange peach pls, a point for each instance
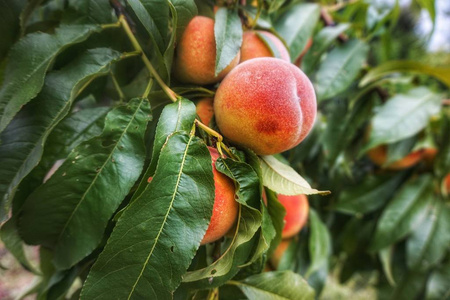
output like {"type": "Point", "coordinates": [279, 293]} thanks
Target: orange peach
{"type": "Point", "coordinates": [225, 208]}
{"type": "Point", "coordinates": [195, 59]}
{"type": "Point", "coordinates": [265, 104]}
{"type": "Point", "coordinates": [278, 253]}
{"type": "Point", "coordinates": [297, 208]}
{"type": "Point", "coordinates": [254, 46]}
{"type": "Point", "coordinates": [379, 156]}
{"type": "Point", "coordinates": [429, 154]}
{"type": "Point", "coordinates": [205, 110]}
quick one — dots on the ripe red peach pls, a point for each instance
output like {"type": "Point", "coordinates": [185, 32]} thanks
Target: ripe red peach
{"type": "Point", "coordinates": [379, 156]}
{"type": "Point", "coordinates": [297, 208]}
{"type": "Point", "coordinates": [254, 46]}
{"type": "Point", "coordinates": [205, 110]}
{"type": "Point", "coordinates": [195, 59]}
{"type": "Point", "coordinates": [265, 104]}
{"type": "Point", "coordinates": [225, 210]}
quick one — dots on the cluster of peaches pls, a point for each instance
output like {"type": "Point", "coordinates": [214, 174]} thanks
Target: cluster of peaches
{"type": "Point", "coordinates": [263, 102]}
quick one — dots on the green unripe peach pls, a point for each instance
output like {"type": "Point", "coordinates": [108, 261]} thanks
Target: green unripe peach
{"type": "Point", "coordinates": [254, 46]}
{"type": "Point", "coordinates": [225, 210]}
{"type": "Point", "coordinates": [195, 59]}
{"type": "Point", "coordinates": [265, 104]}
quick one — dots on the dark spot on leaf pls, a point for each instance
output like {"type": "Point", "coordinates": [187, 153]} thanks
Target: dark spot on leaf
{"type": "Point", "coordinates": [171, 249]}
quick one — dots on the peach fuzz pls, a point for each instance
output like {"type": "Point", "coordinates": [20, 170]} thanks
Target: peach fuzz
{"type": "Point", "coordinates": [265, 104]}
{"type": "Point", "coordinates": [297, 208]}
{"type": "Point", "coordinates": [253, 46]}
{"type": "Point", "coordinates": [225, 210]}
{"type": "Point", "coordinates": [205, 110]}
{"type": "Point", "coordinates": [378, 155]}
{"type": "Point", "coordinates": [195, 59]}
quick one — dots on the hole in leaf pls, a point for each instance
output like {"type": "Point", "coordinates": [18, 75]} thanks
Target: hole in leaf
{"type": "Point", "coordinates": [214, 271]}
{"type": "Point", "coordinates": [171, 249]}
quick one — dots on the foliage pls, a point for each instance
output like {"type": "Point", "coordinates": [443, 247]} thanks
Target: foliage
{"type": "Point", "coordinates": [88, 84]}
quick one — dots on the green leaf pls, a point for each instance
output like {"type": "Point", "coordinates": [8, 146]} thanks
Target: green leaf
{"type": "Point", "coordinates": [154, 16]}
{"type": "Point", "coordinates": [319, 244]}
{"type": "Point", "coordinates": [92, 11]}
{"type": "Point", "coordinates": [157, 236]}
{"type": "Point", "coordinates": [9, 235]}
{"type": "Point", "coordinates": [404, 213]}
{"type": "Point", "coordinates": [391, 67]}
{"type": "Point", "coordinates": [71, 210]}
{"type": "Point", "coordinates": [186, 10]}
{"type": "Point", "coordinates": [398, 150]}
{"type": "Point", "coordinates": [228, 35]}
{"type": "Point", "coordinates": [296, 25]}
{"type": "Point", "coordinates": [429, 243]}
{"type": "Point", "coordinates": [238, 251]}
{"type": "Point", "coordinates": [9, 23]}
{"type": "Point", "coordinates": [277, 213]}
{"type": "Point", "coordinates": [386, 256]}
{"type": "Point", "coordinates": [403, 116]}
{"type": "Point", "coordinates": [175, 117]}
{"type": "Point", "coordinates": [72, 131]}
{"type": "Point", "coordinates": [22, 142]}
{"type": "Point", "coordinates": [28, 62]}
{"type": "Point", "coordinates": [430, 6]}
{"type": "Point", "coordinates": [321, 41]}
{"type": "Point", "coordinates": [368, 195]}
{"type": "Point", "coordinates": [342, 126]}
{"type": "Point", "coordinates": [438, 285]}
{"type": "Point", "coordinates": [340, 68]}
{"type": "Point", "coordinates": [282, 179]}
{"type": "Point", "coordinates": [275, 285]}
{"type": "Point", "coordinates": [410, 287]}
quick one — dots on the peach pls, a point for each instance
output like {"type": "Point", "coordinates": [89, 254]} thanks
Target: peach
{"type": "Point", "coordinates": [447, 184]}
{"type": "Point", "coordinates": [297, 208]}
{"type": "Point", "coordinates": [225, 210]}
{"type": "Point", "coordinates": [205, 110]}
{"type": "Point", "coordinates": [265, 104]}
{"type": "Point", "coordinates": [278, 253]}
{"type": "Point", "coordinates": [195, 59]}
{"type": "Point", "coordinates": [253, 46]}
{"type": "Point", "coordinates": [429, 154]}
{"type": "Point", "coordinates": [379, 155]}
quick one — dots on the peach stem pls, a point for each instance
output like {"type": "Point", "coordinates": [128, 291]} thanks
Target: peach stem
{"type": "Point", "coordinates": [171, 94]}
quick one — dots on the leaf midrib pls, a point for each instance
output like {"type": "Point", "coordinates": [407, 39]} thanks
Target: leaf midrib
{"type": "Point", "coordinates": [421, 102]}
{"type": "Point", "coordinates": [183, 161]}
{"type": "Point", "coordinates": [26, 78]}
{"type": "Point", "coordinates": [407, 210]}
{"type": "Point", "coordinates": [326, 91]}
{"type": "Point", "coordinates": [99, 172]}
